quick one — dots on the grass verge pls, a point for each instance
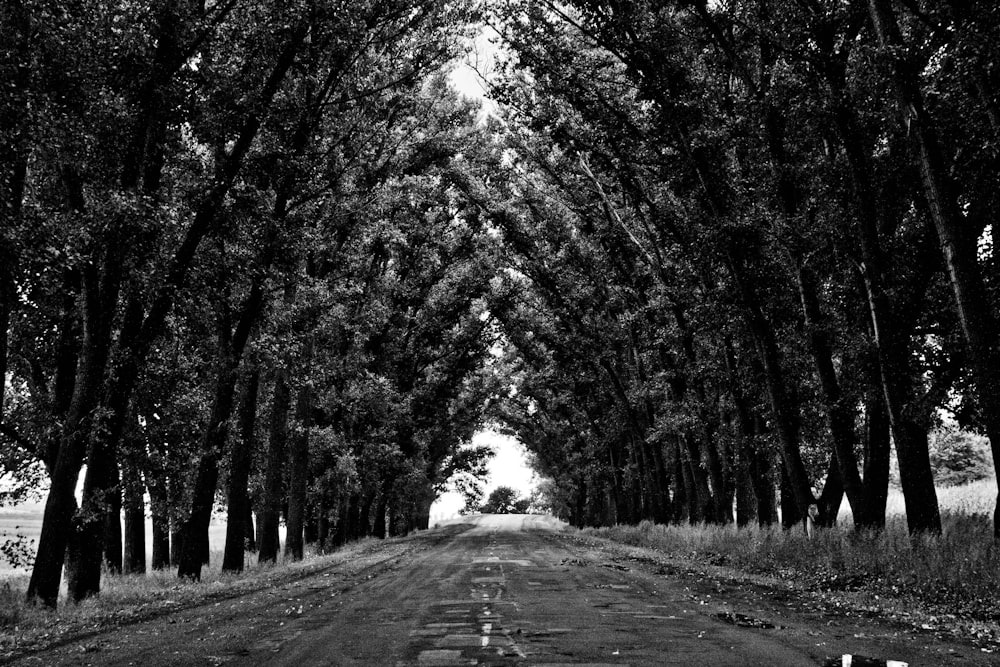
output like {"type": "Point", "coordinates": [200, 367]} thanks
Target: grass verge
{"type": "Point", "coordinates": [956, 575]}
{"type": "Point", "coordinates": [131, 598]}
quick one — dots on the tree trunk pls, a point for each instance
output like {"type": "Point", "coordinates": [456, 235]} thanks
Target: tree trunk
{"type": "Point", "coordinates": [877, 455]}
{"type": "Point", "coordinates": [176, 538]}
{"type": "Point", "coordinates": [839, 411]}
{"type": "Point", "coordinates": [240, 458]}
{"type": "Point", "coordinates": [662, 478]}
{"type": "Point", "coordinates": [72, 562]}
{"type": "Point", "coordinates": [195, 549]}
{"type": "Point", "coordinates": [113, 538]}
{"type": "Point", "coordinates": [365, 518]}
{"type": "Point", "coordinates": [721, 499]}
{"type": "Point", "coordinates": [423, 513]}
{"type": "Point", "coordinates": [701, 496]}
{"type": "Point", "coordinates": [747, 498]}
{"type": "Point", "coordinates": [682, 498]}
{"type": "Point", "coordinates": [249, 538]}
{"type": "Point", "coordinates": [194, 530]}
{"type": "Point", "coordinates": [891, 341]}
{"type": "Point", "coordinates": [135, 532]}
{"type": "Point", "coordinates": [746, 501]}
{"type": "Point", "coordinates": [791, 514]}
{"type": "Point", "coordinates": [270, 510]}
{"type": "Point", "coordinates": [784, 401]}
{"type": "Point", "coordinates": [381, 509]}
{"type": "Point", "coordinates": [298, 472]}
{"type": "Point", "coordinates": [322, 526]}
{"type": "Point", "coordinates": [959, 251]}
{"type": "Point", "coordinates": [60, 506]}
{"type": "Point", "coordinates": [339, 538]}
{"type": "Point", "coordinates": [762, 478]}
{"type": "Point", "coordinates": [828, 503]}
{"type": "Point", "coordinates": [101, 497]}
{"type": "Point", "coordinates": [159, 509]}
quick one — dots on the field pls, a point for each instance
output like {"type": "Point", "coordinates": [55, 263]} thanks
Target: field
{"type": "Point", "coordinates": [26, 522]}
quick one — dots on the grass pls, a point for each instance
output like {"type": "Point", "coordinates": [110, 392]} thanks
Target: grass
{"type": "Point", "coordinates": [125, 597]}
{"type": "Point", "coordinates": [957, 573]}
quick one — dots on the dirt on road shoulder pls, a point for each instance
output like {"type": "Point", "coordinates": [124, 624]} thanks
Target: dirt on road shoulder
{"type": "Point", "coordinates": [284, 590]}
{"type": "Point", "coordinates": [746, 598]}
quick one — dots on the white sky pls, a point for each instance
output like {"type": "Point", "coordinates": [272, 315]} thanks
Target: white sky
{"type": "Point", "coordinates": [479, 62]}
{"type": "Point", "coordinates": [509, 467]}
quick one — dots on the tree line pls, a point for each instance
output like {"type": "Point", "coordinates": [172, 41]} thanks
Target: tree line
{"type": "Point", "coordinates": [754, 249]}
{"type": "Point", "coordinates": [707, 261]}
{"type": "Point", "coordinates": [235, 269]}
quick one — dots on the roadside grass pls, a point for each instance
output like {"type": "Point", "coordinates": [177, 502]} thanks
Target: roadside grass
{"type": "Point", "coordinates": [127, 597]}
{"type": "Point", "coordinates": [957, 573]}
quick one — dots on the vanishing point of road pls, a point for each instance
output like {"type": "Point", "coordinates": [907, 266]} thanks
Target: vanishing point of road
{"type": "Point", "coordinates": [502, 590]}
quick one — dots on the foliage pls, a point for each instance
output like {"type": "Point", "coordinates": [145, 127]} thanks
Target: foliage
{"type": "Point", "coordinates": [694, 191]}
{"type": "Point", "coordinates": [959, 457]}
{"type": "Point", "coordinates": [505, 500]}
{"type": "Point", "coordinates": [18, 550]}
{"type": "Point", "coordinates": [691, 262]}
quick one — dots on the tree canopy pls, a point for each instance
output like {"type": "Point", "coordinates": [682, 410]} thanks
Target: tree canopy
{"type": "Point", "coordinates": [707, 261]}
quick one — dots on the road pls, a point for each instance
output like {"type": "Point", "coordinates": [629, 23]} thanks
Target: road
{"type": "Point", "coordinates": [509, 590]}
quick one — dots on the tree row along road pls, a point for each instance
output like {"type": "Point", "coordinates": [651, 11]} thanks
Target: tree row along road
{"type": "Point", "coordinates": [497, 590]}
{"type": "Point", "coordinates": [709, 262]}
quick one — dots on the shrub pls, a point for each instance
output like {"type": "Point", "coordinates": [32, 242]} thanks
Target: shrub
{"type": "Point", "coordinates": [959, 457]}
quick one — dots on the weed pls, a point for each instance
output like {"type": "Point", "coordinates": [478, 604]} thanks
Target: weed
{"type": "Point", "coordinates": [960, 568]}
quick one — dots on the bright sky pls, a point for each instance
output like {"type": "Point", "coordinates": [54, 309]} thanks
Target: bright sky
{"type": "Point", "coordinates": [509, 467]}
{"type": "Point", "coordinates": [479, 62]}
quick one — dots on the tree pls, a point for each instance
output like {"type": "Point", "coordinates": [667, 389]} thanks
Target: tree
{"type": "Point", "coordinates": [504, 500]}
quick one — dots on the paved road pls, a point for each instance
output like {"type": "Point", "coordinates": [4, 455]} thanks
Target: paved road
{"type": "Point", "coordinates": [508, 591]}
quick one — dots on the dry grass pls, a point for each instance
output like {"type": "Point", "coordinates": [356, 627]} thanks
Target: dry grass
{"type": "Point", "coordinates": [125, 597]}
{"type": "Point", "coordinates": [960, 569]}
{"type": "Point", "coordinates": [973, 498]}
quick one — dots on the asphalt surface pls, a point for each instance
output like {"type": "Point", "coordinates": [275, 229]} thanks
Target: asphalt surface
{"type": "Point", "coordinates": [509, 590]}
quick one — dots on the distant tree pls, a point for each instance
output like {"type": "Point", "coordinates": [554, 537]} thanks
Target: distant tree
{"type": "Point", "coordinates": [959, 457]}
{"type": "Point", "coordinates": [504, 500]}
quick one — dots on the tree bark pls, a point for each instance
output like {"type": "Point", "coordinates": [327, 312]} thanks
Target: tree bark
{"type": "Point", "coordinates": [784, 402]}
{"type": "Point", "coordinates": [60, 506]}
{"type": "Point", "coordinates": [298, 472]}
{"type": "Point", "coordinates": [828, 503]}
{"type": "Point", "coordinates": [791, 512]}
{"type": "Point", "coordinates": [176, 536]}
{"type": "Point", "coordinates": [381, 510]}
{"type": "Point", "coordinates": [159, 510]}
{"type": "Point", "coordinates": [662, 479]}
{"type": "Point", "coordinates": [699, 495]}
{"type": "Point", "coordinates": [113, 537]}
{"type": "Point", "coordinates": [195, 548]}
{"type": "Point", "coordinates": [249, 538]}
{"type": "Point", "coordinates": [762, 478]}
{"type": "Point", "coordinates": [270, 510]}
{"type": "Point", "coordinates": [135, 522]}
{"type": "Point", "coordinates": [877, 455]}
{"type": "Point", "coordinates": [839, 412]}
{"type": "Point", "coordinates": [339, 538]}
{"type": "Point", "coordinates": [240, 458]}
{"type": "Point", "coordinates": [682, 483]}
{"type": "Point", "coordinates": [365, 517]}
